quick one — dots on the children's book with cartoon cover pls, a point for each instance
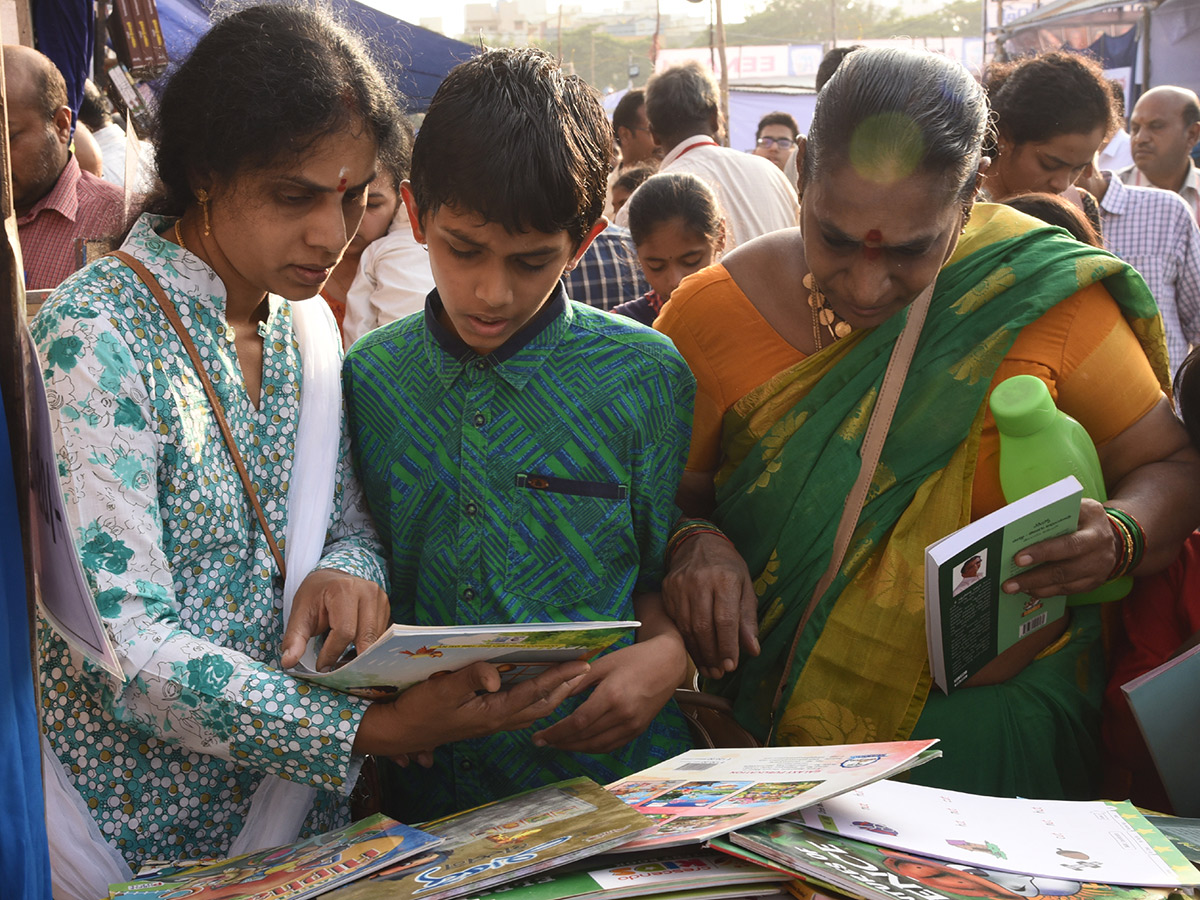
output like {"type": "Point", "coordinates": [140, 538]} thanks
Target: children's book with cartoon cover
{"type": "Point", "coordinates": [505, 840]}
{"type": "Point", "coordinates": [658, 873]}
{"type": "Point", "coordinates": [1182, 832]}
{"type": "Point", "coordinates": [703, 793]}
{"type": "Point", "coordinates": [409, 654]}
{"type": "Point", "coordinates": [306, 868]}
{"type": "Point", "coordinates": [868, 872]}
{"type": "Point", "coordinates": [1082, 840]}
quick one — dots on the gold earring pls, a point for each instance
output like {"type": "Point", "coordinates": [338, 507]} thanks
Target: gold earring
{"type": "Point", "coordinates": [202, 197]}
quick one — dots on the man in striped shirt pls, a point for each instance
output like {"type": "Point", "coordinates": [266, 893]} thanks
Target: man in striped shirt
{"type": "Point", "coordinates": [58, 205]}
{"type": "Point", "coordinates": [1164, 129]}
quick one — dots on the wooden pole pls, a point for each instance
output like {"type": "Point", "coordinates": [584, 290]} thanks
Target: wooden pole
{"type": "Point", "coordinates": [724, 72]}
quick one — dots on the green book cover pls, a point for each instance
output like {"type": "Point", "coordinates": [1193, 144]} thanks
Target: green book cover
{"type": "Point", "coordinates": [969, 621]}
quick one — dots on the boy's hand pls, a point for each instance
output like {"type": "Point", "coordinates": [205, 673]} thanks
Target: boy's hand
{"type": "Point", "coordinates": [709, 594]}
{"type": "Point", "coordinates": [459, 705]}
{"type": "Point", "coordinates": [351, 609]}
{"type": "Point", "coordinates": [631, 686]}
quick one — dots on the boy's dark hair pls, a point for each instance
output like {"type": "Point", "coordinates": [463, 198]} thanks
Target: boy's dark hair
{"type": "Point", "coordinates": [264, 85]}
{"type": "Point", "coordinates": [512, 137]}
{"type": "Point", "coordinates": [778, 118]}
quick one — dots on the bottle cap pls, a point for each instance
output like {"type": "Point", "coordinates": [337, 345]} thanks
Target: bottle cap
{"type": "Point", "coordinates": [1022, 405]}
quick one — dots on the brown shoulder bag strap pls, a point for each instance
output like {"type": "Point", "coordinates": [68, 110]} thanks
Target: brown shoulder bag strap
{"type": "Point", "coordinates": [872, 448]}
{"type": "Point", "coordinates": [172, 315]}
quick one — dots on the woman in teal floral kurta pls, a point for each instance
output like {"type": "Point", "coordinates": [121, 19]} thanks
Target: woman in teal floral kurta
{"type": "Point", "coordinates": [182, 572]}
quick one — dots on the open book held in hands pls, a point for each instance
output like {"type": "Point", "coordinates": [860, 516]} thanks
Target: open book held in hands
{"type": "Point", "coordinates": [969, 621]}
{"type": "Point", "coordinates": [409, 654]}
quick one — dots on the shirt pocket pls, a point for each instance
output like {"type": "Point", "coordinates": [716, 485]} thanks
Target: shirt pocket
{"type": "Point", "coordinates": [572, 546]}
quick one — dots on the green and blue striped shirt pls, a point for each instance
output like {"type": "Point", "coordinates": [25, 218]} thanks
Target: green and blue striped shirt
{"type": "Point", "coordinates": [533, 484]}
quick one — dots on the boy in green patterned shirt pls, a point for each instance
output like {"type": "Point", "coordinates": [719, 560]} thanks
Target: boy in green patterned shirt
{"type": "Point", "coordinates": [521, 452]}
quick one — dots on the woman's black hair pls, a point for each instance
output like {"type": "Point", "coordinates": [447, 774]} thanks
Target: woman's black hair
{"type": "Point", "coordinates": [261, 87]}
{"type": "Point", "coordinates": [893, 112]}
{"type": "Point", "coordinates": [1054, 210]}
{"type": "Point", "coordinates": [1041, 97]}
{"type": "Point", "coordinates": [674, 195]}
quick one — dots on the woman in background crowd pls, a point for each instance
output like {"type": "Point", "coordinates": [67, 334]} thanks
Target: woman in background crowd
{"type": "Point", "coordinates": [677, 229]}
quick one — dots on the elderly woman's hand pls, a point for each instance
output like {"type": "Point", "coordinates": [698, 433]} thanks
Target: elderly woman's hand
{"type": "Point", "coordinates": [351, 609]}
{"type": "Point", "coordinates": [709, 595]}
{"type": "Point", "coordinates": [1071, 564]}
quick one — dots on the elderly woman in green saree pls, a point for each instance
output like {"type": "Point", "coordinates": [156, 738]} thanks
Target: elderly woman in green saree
{"type": "Point", "coordinates": [789, 338]}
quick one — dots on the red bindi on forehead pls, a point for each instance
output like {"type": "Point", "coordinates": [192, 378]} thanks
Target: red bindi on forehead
{"type": "Point", "coordinates": [874, 236]}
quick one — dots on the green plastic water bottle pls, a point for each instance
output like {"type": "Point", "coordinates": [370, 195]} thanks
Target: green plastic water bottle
{"type": "Point", "coordinates": [1040, 444]}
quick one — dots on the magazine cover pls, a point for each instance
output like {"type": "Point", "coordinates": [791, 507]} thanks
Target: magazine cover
{"type": "Point", "coordinates": [881, 873]}
{"type": "Point", "coordinates": [506, 840]}
{"type": "Point", "coordinates": [641, 875]}
{"type": "Point", "coordinates": [703, 793]}
{"type": "Point", "coordinates": [1100, 841]}
{"type": "Point", "coordinates": [408, 654]}
{"type": "Point", "coordinates": [303, 869]}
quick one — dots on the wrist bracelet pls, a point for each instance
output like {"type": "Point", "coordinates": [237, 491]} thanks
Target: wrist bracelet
{"type": "Point", "coordinates": [685, 530]}
{"type": "Point", "coordinates": [1132, 537]}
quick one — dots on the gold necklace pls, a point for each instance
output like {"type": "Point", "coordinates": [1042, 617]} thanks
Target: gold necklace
{"type": "Point", "coordinates": [823, 315]}
{"type": "Point", "coordinates": [179, 235]}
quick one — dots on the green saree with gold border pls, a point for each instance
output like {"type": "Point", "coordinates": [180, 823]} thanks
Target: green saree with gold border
{"type": "Point", "coordinates": [790, 457]}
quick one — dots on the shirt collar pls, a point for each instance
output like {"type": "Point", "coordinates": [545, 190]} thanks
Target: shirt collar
{"type": "Point", "coordinates": [516, 360]}
{"type": "Point", "coordinates": [62, 198]}
{"type": "Point", "coordinates": [684, 146]}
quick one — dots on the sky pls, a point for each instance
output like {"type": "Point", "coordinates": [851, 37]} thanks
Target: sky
{"type": "Point", "coordinates": [451, 12]}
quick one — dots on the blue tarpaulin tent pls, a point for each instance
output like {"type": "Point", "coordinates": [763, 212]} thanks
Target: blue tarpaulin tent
{"type": "Point", "coordinates": [415, 59]}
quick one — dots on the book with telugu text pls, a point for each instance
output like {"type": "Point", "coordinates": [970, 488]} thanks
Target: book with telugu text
{"type": "Point", "coordinates": [306, 868]}
{"type": "Point", "coordinates": [506, 840]}
{"type": "Point", "coordinates": [969, 620]}
{"type": "Point", "coordinates": [408, 654]}
{"type": "Point", "coordinates": [704, 793]}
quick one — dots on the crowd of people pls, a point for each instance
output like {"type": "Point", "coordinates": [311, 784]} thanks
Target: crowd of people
{"type": "Point", "coordinates": [544, 417]}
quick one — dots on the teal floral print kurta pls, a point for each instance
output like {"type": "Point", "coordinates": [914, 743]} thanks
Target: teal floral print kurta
{"type": "Point", "coordinates": [182, 573]}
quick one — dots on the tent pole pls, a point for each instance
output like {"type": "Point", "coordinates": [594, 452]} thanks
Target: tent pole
{"type": "Point", "coordinates": [1146, 82]}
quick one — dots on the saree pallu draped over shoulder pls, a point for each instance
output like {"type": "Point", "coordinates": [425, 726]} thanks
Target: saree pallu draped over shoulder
{"type": "Point", "coordinates": [791, 453]}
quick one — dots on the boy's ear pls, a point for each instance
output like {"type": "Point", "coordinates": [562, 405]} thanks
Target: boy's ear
{"type": "Point", "coordinates": [600, 225]}
{"type": "Point", "coordinates": [414, 214]}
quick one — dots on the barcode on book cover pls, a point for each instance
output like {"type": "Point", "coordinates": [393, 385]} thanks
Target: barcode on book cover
{"type": "Point", "coordinates": [1033, 624]}
{"type": "Point", "coordinates": [698, 766]}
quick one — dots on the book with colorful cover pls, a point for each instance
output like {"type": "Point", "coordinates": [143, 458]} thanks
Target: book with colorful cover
{"type": "Point", "coordinates": [869, 872]}
{"type": "Point", "coordinates": [1182, 832]}
{"type": "Point", "coordinates": [656, 873]}
{"type": "Point", "coordinates": [969, 621]}
{"type": "Point", "coordinates": [703, 793]}
{"type": "Point", "coordinates": [1101, 841]}
{"type": "Point", "coordinates": [306, 868]}
{"type": "Point", "coordinates": [506, 840]}
{"type": "Point", "coordinates": [409, 654]}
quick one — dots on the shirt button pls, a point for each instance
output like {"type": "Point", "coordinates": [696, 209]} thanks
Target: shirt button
{"type": "Point", "coordinates": [480, 420]}
{"type": "Point", "coordinates": [465, 765]}
{"type": "Point", "coordinates": [471, 509]}
{"type": "Point", "coordinates": [480, 365]}
{"type": "Point", "coordinates": [468, 594]}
